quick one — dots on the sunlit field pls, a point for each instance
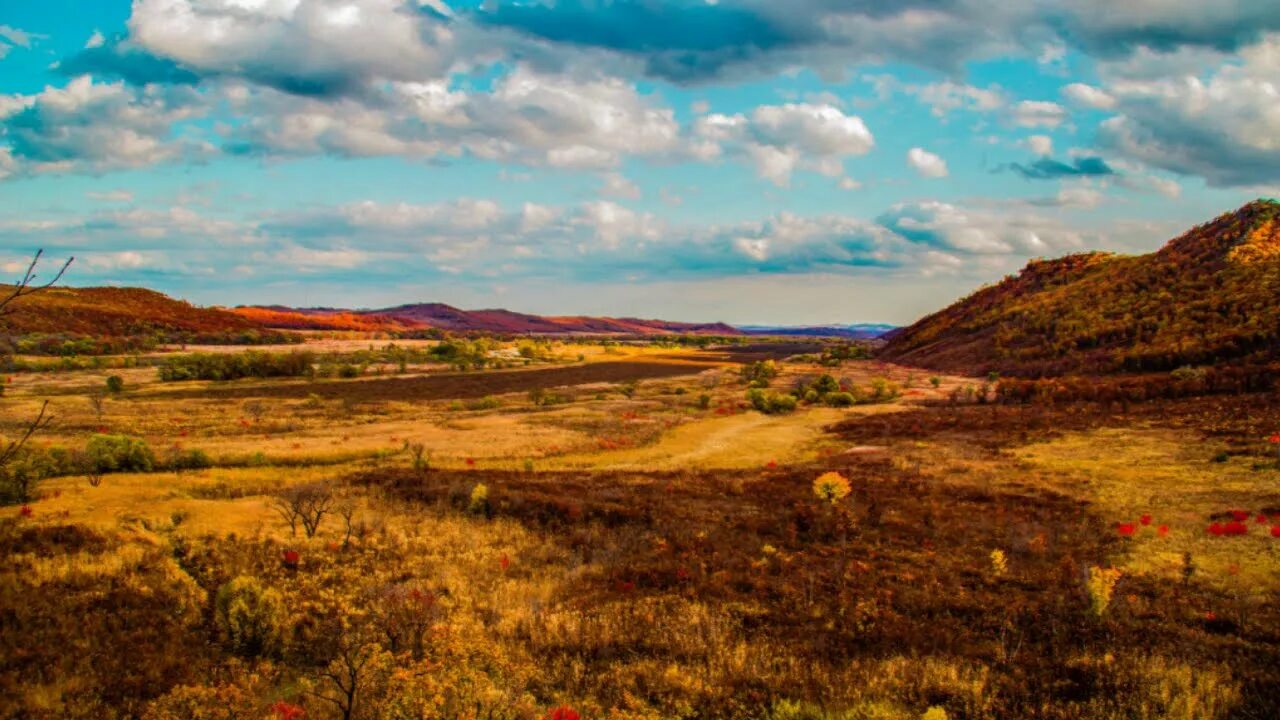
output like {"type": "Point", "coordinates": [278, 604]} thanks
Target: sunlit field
{"type": "Point", "coordinates": [655, 545]}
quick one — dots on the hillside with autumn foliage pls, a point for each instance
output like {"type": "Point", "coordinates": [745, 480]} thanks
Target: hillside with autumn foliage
{"type": "Point", "coordinates": [1207, 298]}
{"type": "Point", "coordinates": [115, 312]}
{"type": "Point", "coordinates": [440, 316]}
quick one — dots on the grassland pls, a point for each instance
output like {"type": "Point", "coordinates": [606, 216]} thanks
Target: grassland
{"type": "Point", "coordinates": [633, 540]}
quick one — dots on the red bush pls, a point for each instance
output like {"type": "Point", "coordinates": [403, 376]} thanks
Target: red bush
{"type": "Point", "coordinates": [1126, 529]}
{"type": "Point", "coordinates": [564, 712]}
{"type": "Point", "coordinates": [287, 711]}
{"type": "Point", "coordinates": [291, 558]}
{"type": "Point", "coordinates": [1235, 528]}
{"type": "Point", "coordinates": [1145, 520]}
{"type": "Point", "coordinates": [1215, 529]}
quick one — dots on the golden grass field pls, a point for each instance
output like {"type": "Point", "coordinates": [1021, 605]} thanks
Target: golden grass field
{"type": "Point", "coordinates": [626, 542]}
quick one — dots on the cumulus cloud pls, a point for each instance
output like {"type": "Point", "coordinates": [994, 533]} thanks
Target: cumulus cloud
{"type": "Point", "coordinates": [1037, 113]}
{"type": "Point", "coordinates": [1088, 96]}
{"type": "Point", "coordinates": [308, 47]}
{"type": "Point", "coordinates": [481, 239]}
{"type": "Point", "coordinates": [954, 229]}
{"type": "Point", "coordinates": [1221, 125]}
{"type": "Point", "coordinates": [926, 163]}
{"type": "Point", "coordinates": [778, 139]}
{"type": "Point", "coordinates": [1040, 144]}
{"type": "Point", "coordinates": [588, 122]}
{"type": "Point", "coordinates": [99, 126]}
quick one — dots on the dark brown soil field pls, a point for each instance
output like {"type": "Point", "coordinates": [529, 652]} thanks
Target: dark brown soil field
{"type": "Point", "coordinates": [455, 385]}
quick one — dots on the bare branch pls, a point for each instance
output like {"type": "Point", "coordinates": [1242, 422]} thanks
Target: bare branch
{"type": "Point", "coordinates": [27, 286]}
{"type": "Point", "coordinates": [15, 446]}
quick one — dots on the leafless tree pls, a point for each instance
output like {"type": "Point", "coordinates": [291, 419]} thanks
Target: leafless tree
{"type": "Point", "coordinates": [27, 285]}
{"type": "Point", "coordinates": [304, 504]}
{"type": "Point", "coordinates": [98, 402]}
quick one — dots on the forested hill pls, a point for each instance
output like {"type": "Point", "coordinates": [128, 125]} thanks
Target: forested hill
{"type": "Point", "coordinates": [1208, 297]}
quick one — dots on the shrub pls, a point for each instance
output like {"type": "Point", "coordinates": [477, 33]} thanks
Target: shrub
{"type": "Point", "coordinates": [759, 374]}
{"type": "Point", "coordinates": [232, 366]}
{"type": "Point", "coordinates": [249, 617]}
{"type": "Point", "coordinates": [831, 487]}
{"type": "Point", "coordinates": [841, 399]}
{"type": "Point", "coordinates": [348, 371]}
{"type": "Point", "coordinates": [193, 459]}
{"type": "Point", "coordinates": [704, 401]}
{"type": "Point", "coordinates": [1101, 585]}
{"type": "Point", "coordinates": [771, 403]}
{"type": "Point", "coordinates": [115, 384]}
{"type": "Point", "coordinates": [119, 453]}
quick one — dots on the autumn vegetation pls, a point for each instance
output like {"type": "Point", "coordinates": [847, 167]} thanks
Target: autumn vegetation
{"type": "Point", "coordinates": [970, 523]}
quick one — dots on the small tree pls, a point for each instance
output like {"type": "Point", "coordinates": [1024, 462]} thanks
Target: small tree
{"type": "Point", "coordinates": [304, 504]}
{"type": "Point", "coordinates": [250, 618]}
{"type": "Point", "coordinates": [115, 384]}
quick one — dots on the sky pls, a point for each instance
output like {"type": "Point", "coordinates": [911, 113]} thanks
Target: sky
{"type": "Point", "coordinates": [749, 161]}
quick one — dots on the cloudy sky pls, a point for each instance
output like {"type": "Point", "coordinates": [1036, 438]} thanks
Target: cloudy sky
{"type": "Point", "coordinates": [743, 160]}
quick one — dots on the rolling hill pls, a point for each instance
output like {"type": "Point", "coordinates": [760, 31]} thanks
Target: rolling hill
{"type": "Point", "coordinates": [1209, 296]}
{"type": "Point", "coordinates": [114, 312]}
{"type": "Point", "coordinates": [447, 317]}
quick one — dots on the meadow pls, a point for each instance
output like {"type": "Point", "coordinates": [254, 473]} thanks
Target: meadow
{"type": "Point", "coordinates": [641, 529]}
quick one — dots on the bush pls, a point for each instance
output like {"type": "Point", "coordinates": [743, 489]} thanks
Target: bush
{"type": "Point", "coordinates": [119, 453]}
{"type": "Point", "coordinates": [115, 384]}
{"type": "Point", "coordinates": [348, 371]}
{"type": "Point", "coordinates": [232, 366]}
{"type": "Point", "coordinates": [771, 403]}
{"type": "Point", "coordinates": [759, 374]}
{"type": "Point", "coordinates": [841, 399]}
{"type": "Point", "coordinates": [193, 459]}
{"type": "Point", "coordinates": [250, 618]}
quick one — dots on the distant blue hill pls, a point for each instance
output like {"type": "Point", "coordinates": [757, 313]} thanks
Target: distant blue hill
{"type": "Point", "coordinates": [859, 331]}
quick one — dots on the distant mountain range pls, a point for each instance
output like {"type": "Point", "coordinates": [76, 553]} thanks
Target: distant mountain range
{"type": "Point", "coordinates": [1208, 297]}
{"type": "Point", "coordinates": [447, 317]}
{"type": "Point", "coordinates": [860, 331]}
{"type": "Point", "coordinates": [121, 312]}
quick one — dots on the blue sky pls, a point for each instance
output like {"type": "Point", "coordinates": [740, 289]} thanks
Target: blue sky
{"type": "Point", "coordinates": [804, 162]}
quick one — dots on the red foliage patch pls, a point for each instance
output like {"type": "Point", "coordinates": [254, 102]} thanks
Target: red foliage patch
{"type": "Point", "coordinates": [1126, 529]}
{"type": "Point", "coordinates": [291, 558]}
{"type": "Point", "coordinates": [287, 711]}
{"type": "Point", "coordinates": [1145, 520]}
{"type": "Point", "coordinates": [564, 712]}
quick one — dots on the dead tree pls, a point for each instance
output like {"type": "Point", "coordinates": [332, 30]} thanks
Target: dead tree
{"type": "Point", "coordinates": [27, 284]}
{"type": "Point", "coordinates": [304, 504]}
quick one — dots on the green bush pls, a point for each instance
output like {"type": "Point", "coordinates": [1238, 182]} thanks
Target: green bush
{"type": "Point", "coordinates": [348, 371]}
{"type": "Point", "coordinates": [119, 453]}
{"type": "Point", "coordinates": [115, 384]}
{"type": "Point", "coordinates": [771, 403]}
{"type": "Point", "coordinates": [232, 366]}
{"type": "Point", "coordinates": [840, 399]}
{"type": "Point", "coordinates": [193, 459]}
{"type": "Point", "coordinates": [250, 618]}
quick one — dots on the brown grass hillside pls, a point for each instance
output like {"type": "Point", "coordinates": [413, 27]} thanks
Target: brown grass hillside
{"type": "Point", "coordinates": [114, 312]}
{"type": "Point", "coordinates": [1207, 297]}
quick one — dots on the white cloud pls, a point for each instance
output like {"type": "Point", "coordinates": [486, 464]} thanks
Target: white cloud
{"type": "Point", "coordinates": [1222, 126]}
{"type": "Point", "coordinates": [1040, 144]}
{"type": "Point", "coordinates": [1088, 96]}
{"type": "Point", "coordinates": [778, 139]}
{"type": "Point", "coordinates": [115, 196]}
{"type": "Point", "coordinates": [926, 163]}
{"type": "Point", "coordinates": [1037, 113]}
{"type": "Point", "coordinates": [314, 47]}
{"type": "Point", "coordinates": [618, 186]}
